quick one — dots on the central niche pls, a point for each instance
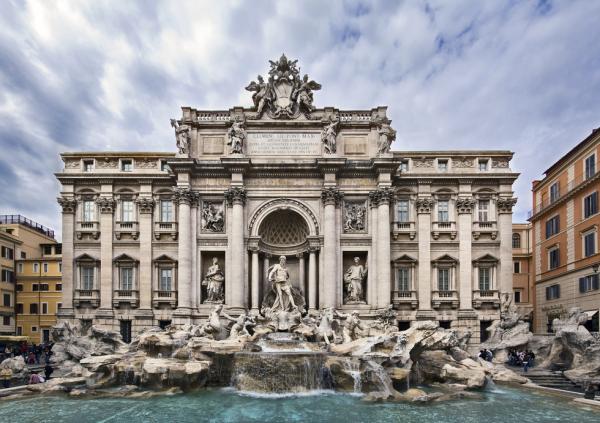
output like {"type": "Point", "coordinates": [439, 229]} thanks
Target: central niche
{"type": "Point", "coordinates": [283, 228]}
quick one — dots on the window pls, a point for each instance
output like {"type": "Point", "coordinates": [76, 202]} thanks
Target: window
{"type": "Point", "coordinates": [126, 278]}
{"type": "Point", "coordinates": [7, 253]}
{"type": "Point", "coordinates": [553, 258]}
{"type": "Point", "coordinates": [36, 267]}
{"type": "Point", "coordinates": [44, 308]}
{"type": "Point", "coordinates": [6, 300]}
{"type": "Point", "coordinates": [483, 207]}
{"type": "Point", "coordinates": [164, 166]}
{"type": "Point", "coordinates": [58, 287]}
{"type": "Point", "coordinates": [35, 287]}
{"type": "Point", "coordinates": [589, 283]}
{"type": "Point", "coordinates": [88, 165]}
{"type": "Point", "coordinates": [516, 241]}
{"type": "Point", "coordinates": [554, 192]}
{"type": "Point", "coordinates": [58, 306]}
{"type": "Point", "coordinates": [89, 210]}
{"type": "Point", "coordinates": [166, 276]}
{"type": "Point", "coordinates": [19, 331]}
{"type": "Point", "coordinates": [404, 279]}
{"type": "Point", "coordinates": [19, 308]}
{"type": "Point", "coordinates": [127, 211]}
{"type": "Point", "coordinates": [87, 278]}
{"type": "Point", "coordinates": [443, 165]}
{"type": "Point", "coordinates": [45, 265]}
{"type": "Point", "coordinates": [33, 308]}
{"type": "Point", "coordinates": [126, 165]}
{"type": "Point", "coordinates": [20, 267]}
{"type": "Point", "coordinates": [590, 204]}
{"type": "Point", "coordinates": [47, 250]}
{"type": "Point", "coordinates": [590, 166]}
{"type": "Point", "coordinates": [163, 324]}
{"type": "Point", "coordinates": [6, 320]}
{"type": "Point", "coordinates": [403, 211]}
{"type": "Point", "coordinates": [23, 255]}
{"type": "Point", "coordinates": [517, 267]}
{"type": "Point", "coordinates": [443, 211]}
{"type": "Point", "coordinates": [445, 324]}
{"type": "Point", "coordinates": [404, 166]}
{"type": "Point", "coordinates": [45, 335]}
{"type": "Point", "coordinates": [484, 279]}
{"type": "Point", "coordinates": [126, 330]}
{"type": "Point", "coordinates": [44, 287]}
{"type": "Point", "coordinates": [483, 165]}
{"type": "Point", "coordinates": [59, 267]}
{"type": "Point", "coordinates": [552, 226]}
{"type": "Point", "coordinates": [19, 288]}
{"type": "Point", "coordinates": [7, 276]}
{"type": "Point", "coordinates": [166, 211]}
{"type": "Point", "coordinates": [58, 249]}
{"type": "Point", "coordinates": [517, 297]}
{"type": "Point", "coordinates": [443, 279]}
{"type": "Point", "coordinates": [553, 292]}
{"type": "Point", "coordinates": [589, 243]}
{"type": "Point", "coordinates": [34, 328]}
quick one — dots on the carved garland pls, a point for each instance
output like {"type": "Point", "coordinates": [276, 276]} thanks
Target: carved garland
{"type": "Point", "coordinates": [283, 201]}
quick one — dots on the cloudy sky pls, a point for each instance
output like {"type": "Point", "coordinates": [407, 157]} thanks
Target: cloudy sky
{"type": "Point", "coordinates": [108, 75]}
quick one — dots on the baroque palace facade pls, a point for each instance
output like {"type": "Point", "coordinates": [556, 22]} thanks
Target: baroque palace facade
{"type": "Point", "coordinates": [158, 238]}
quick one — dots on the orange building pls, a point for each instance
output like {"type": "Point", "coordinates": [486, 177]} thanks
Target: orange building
{"type": "Point", "coordinates": [523, 289]}
{"type": "Point", "coordinates": [565, 222]}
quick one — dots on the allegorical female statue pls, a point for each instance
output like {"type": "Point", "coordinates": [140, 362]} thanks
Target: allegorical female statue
{"type": "Point", "coordinates": [214, 281]}
{"type": "Point", "coordinates": [353, 279]}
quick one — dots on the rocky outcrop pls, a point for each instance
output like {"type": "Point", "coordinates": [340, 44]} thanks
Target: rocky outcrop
{"type": "Point", "coordinates": [15, 367]}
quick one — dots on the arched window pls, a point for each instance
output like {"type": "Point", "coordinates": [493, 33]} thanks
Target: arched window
{"type": "Point", "coordinates": [516, 241]}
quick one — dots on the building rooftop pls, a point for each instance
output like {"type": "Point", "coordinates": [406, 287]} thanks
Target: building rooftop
{"type": "Point", "coordinates": [17, 219]}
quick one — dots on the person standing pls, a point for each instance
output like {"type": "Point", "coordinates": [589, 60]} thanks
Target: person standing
{"type": "Point", "coordinates": [6, 376]}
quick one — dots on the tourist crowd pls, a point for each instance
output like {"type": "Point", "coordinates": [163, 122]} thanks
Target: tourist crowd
{"type": "Point", "coordinates": [33, 354]}
{"type": "Point", "coordinates": [525, 359]}
{"type": "Point", "coordinates": [486, 355]}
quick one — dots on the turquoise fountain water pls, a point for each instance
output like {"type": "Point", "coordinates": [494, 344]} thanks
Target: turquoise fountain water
{"type": "Point", "coordinates": [501, 405]}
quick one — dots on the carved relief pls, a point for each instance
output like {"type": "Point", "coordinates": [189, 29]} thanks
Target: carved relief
{"type": "Point", "coordinates": [500, 163]}
{"type": "Point", "coordinates": [146, 163]}
{"type": "Point", "coordinates": [423, 162]}
{"type": "Point", "coordinates": [212, 216]}
{"type": "Point", "coordinates": [463, 162]}
{"type": "Point", "coordinates": [72, 164]}
{"type": "Point", "coordinates": [355, 214]}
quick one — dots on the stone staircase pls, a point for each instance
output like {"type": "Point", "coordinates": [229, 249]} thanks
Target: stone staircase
{"type": "Point", "coordinates": [552, 379]}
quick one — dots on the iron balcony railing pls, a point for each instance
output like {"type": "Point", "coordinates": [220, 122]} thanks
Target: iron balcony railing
{"type": "Point", "coordinates": [7, 219]}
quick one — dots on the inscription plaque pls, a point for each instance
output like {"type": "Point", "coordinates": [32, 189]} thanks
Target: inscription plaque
{"type": "Point", "coordinates": [283, 144]}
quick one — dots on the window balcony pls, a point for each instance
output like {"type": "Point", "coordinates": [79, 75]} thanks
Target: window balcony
{"type": "Point", "coordinates": [166, 228]}
{"type": "Point", "coordinates": [400, 298]}
{"type": "Point", "coordinates": [404, 228]}
{"type": "Point", "coordinates": [164, 297]}
{"type": "Point", "coordinates": [87, 228]}
{"type": "Point", "coordinates": [126, 296]}
{"type": "Point", "coordinates": [489, 227]}
{"type": "Point", "coordinates": [489, 296]}
{"type": "Point", "coordinates": [439, 228]}
{"type": "Point", "coordinates": [86, 296]}
{"type": "Point", "coordinates": [448, 298]}
{"type": "Point", "coordinates": [129, 228]}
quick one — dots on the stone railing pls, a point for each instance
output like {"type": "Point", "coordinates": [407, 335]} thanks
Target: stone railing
{"type": "Point", "coordinates": [489, 227]}
{"type": "Point", "coordinates": [404, 228]}
{"type": "Point", "coordinates": [165, 228]}
{"type": "Point", "coordinates": [439, 298]}
{"type": "Point", "coordinates": [126, 296]}
{"type": "Point", "coordinates": [130, 228]}
{"type": "Point", "coordinates": [355, 116]}
{"type": "Point", "coordinates": [400, 298]}
{"type": "Point", "coordinates": [488, 296]}
{"type": "Point", "coordinates": [440, 227]}
{"type": "Point", "coordinates": [87, 228]}
{"type": "Point", "coordinates": [164, 297]}
{"type": "Point", "coordinates": [213, 116]}
{"type": "Point", "coordinates": [86, 296]}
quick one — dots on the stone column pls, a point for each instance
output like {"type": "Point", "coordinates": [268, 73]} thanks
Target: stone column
{"type": "Point", "coordinates": [383, 248]}
{"type": "Point", "coordinates": [184, 198]}
{"type": "Point", "coordinates": [145, 207]}
{"type": "Point", "coordinates": [312, 278]}
{"type": "Point", "coordinates": [69, 206]}
{"type": "Point", "coordinates": [464, 208]}
{"type": "Point", "coordinates": [255, 279]}
{"type": "Point", "coordinates": [424, 207]}
{"type": "Point", "coordinates": [504, 206]}
{"type": "Point", "coordinates": [236, 198]}
{"type": "Point", "coordinates": [330, 198]}
{"type": "Point", "coordinates": [194, 252]}
{"type": "Point", "coordinates": [301, 277]}
{"type": "Point", "coordinates": [106, 204]}
{"type": "Point", "coordinates": [372, 277]}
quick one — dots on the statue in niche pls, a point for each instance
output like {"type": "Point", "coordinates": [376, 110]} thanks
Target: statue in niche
{"type": "Point", "coordinates": [282, 297]}
{"type": "Point", "coordinates": [214, 281]}
{"type": "Point", "coordinates": [263, 93]}
{"type": "Point", "coordinates": [353, 280]}
{"type": "Point", "coordinates": [387, 135]}
{"type": "Point", "coordinates": [237, 136]}
{"type": "Point", "coordinates": [212, 217]}
{"type": "Point", "coordinates": [351, 324]}
{"type": "Point", "coordinates": [182, 136]}
{"type": "Point", "coordinates": [328, 136]}
{"type": "Point", "coordinates": [303, 93]}
{"type": "Point", "coordinates": [355, 217]}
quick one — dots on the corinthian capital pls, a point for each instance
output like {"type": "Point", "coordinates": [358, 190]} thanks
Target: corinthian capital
{"type": "Point", "coordinates": [145, 205]}
{"type": "Point", "coordinates": [69, 205]}
{"type": "Point", "coordinates": [424, 205]}
{"type": "Point", "coordinates": [385, 195]}
{"type": "Point", "coordinates": [331, 195]}
{"type": "Point", "coordinates": [183, 195]}
{"type": "Point", "coordinates": [106, 204]}
{"type": "Point", "coordinates": [464, 205]}
{"type": "Point", "coordinates": [505, 204]}
{"type": "Point", "coordinates": [235, 195]}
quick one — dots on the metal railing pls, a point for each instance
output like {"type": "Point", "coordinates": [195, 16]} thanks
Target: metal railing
{"type": "Point", "coordinates": [8, 219]}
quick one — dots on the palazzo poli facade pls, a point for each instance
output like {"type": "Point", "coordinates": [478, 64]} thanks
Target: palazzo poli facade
{"type": "Point", "coordinates": [157, 238]}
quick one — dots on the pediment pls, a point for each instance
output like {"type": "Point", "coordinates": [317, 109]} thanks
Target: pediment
{"type": "Point", "coordinates": [124, 258]}
{"type": "Point", "coordinates": [86, 257]}
{"type": "Point", "coordinates": [445, 259]}
{"type": "Point", "coordinates": [405, 258]}
{"type": "Point", "coordinates": [163, 258]}
{"type": "Point", "coordinates": [487, 258]}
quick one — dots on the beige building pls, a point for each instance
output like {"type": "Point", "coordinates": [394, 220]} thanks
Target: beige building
{"type": "Point", "coordinates": [8, 249]}
{"type": "Point", "coordinates": [523, 289]}
{"type": "Point", "coordinates": [153, 238]}
{"type": "Point", "coordinates": [565, 223]}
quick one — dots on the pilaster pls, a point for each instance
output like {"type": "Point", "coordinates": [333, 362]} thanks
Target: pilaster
{"type": "Point", "coordinates": [145, 207]}
{"type": "Point", "coordinates": [106, 205]}
{"type": "Point", "coordinates": [236, 199]}
{"type": "Point", "coordinates": [383, 246]}
{"type": "Point", "coordinates": [330, 197]}
{"type": "Point", "coordinates": [184, 197]}
{"type": "Point", "coordinates": [504, 207]}
{"type": "Point", "coordinates": [424, 205]}
{"type": "Point", "coordinates": [464, 207]}
{"type": "Point", "coordinates": [69, 207]}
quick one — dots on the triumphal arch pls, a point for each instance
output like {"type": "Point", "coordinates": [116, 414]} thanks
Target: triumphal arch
{"type": "Point", "coordinates": [157, 238]}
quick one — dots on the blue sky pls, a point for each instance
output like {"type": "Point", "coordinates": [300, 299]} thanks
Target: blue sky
{"type": "Point", "coordinates": [108, 75]}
